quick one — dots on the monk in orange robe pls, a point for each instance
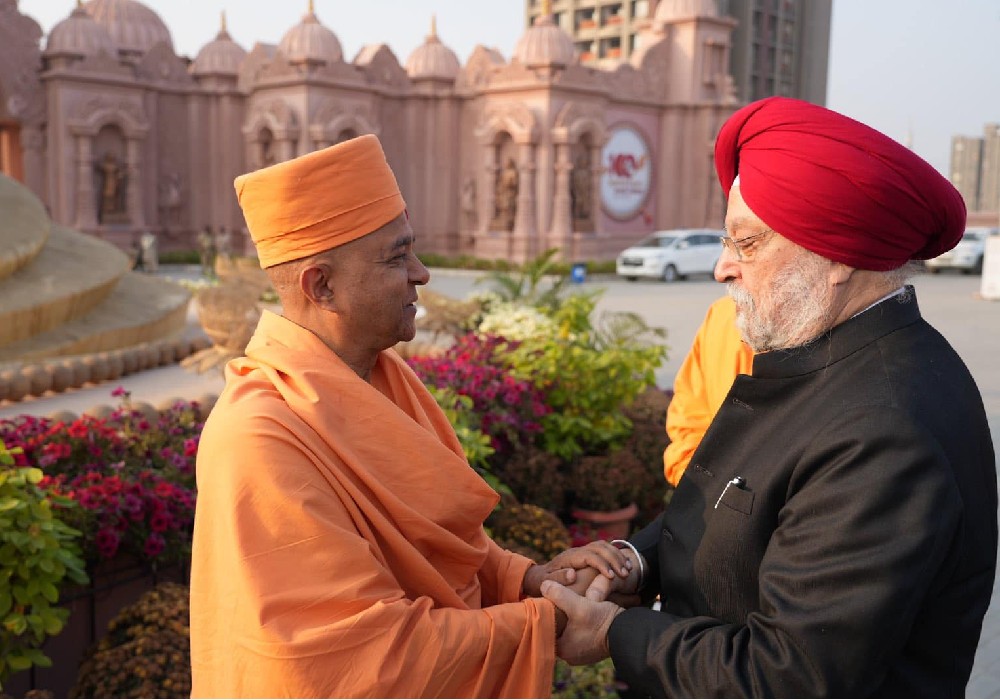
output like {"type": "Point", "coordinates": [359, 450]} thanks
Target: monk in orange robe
{"type": "Point", "coordinates": [339, 548]}
{"type": "Point", "coordinates": [717, 355]}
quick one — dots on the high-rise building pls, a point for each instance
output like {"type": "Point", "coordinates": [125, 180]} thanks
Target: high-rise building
{"type": "Point", "coordinates": [966, 162]}
{"type": "Point", "coordinates": [779, 47]}
{"type": "Point", "coordinates": [989, 184]}
{"type": "Point", "coordinates": [975, 169]}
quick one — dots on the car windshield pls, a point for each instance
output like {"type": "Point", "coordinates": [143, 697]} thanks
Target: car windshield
{"type": "Point", "coordinates": [973, 236]}
{"type": "Point", "coordinates": [656, 241]}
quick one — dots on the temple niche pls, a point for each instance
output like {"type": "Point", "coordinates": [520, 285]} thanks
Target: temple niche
{"type": "Point", "coordinates": [111, 176]}
{"type": "Point", "coordinates": [506, 182]}
{"type": "Point", "coordinates": [582, 186]}
{"type": "Point", "coordinates": [496, 157]}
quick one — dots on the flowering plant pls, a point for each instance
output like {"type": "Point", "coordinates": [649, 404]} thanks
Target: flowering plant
{"type": "Point", "coordinates": [516, 322]}
{"type": "Point", "coordinates": [143, 513]}
{"type": "Point", "coordinates": [132, 475]}
{"type": "Point", "coordinates": [507, 409]}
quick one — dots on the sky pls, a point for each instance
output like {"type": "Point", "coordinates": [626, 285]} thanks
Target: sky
{"type": "Point", "coordinates": [920, 71]}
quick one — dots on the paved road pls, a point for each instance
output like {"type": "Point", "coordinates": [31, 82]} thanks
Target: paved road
{"type": "Point", "coordinates": [949, 302]}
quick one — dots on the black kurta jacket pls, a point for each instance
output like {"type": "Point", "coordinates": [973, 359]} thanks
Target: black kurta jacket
{"type": "Point", "coordinates": [857, 556]}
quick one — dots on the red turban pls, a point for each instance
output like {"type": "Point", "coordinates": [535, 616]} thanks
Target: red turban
{"type": "Point", "coordinates": [837, 187]}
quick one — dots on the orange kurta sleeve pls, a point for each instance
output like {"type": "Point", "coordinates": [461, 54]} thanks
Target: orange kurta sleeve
{"type": "Point", "coordinates": [339, 548]}
{"type": "Point", "coordinates": [717, 355]}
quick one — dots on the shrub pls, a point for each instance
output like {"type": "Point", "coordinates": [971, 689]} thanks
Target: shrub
{"type": "Point", "coordinates": [587, 375]}
{"type": "Point", "coordinates": [37, 553]}
{"type": "Point", "coordinates": [606, 482]}
{"type": "Point", "coordinates": [592, 681]}
{"type": "Point", "coordinates": [475, 444]}
{"type": "Point", "coordinates": [132, 476]}
{"type": "Point", "coordinates": [504, 407]}
{"type": "Point", "coordinates": [534, 476]}
{"type": "Point", "coordinates": [521, 527]}
{"type": "Point", "coordinates": [144, 514]}
{"type": "Point", "coordinates": [647, 442]}
{"type": "Point", "coordinates": [146, 652]}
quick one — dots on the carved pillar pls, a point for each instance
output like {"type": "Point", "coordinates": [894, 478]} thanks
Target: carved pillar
{"type": "Point", "coordinates": [134, 184]}
{"type": "Point", "coordinates": [562, 215]}
{"type": "Point", "coordinates": [86, 204]}
{"type": "Point", "coordinates": [596, 166]}
{"type": "Point", "coordinates": [488, 202]}
{"type": "Point", "coordinates": [525, 238]}
{"type": "Point", "coordinates": [31, 149]}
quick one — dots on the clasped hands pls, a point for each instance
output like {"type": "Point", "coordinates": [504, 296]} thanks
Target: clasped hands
{"type": "Point", "coordinates": [589, 586]}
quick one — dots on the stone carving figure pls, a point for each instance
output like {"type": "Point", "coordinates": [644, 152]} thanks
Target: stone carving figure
{"type": "Point", "coordinates": [267, 148]}
{"type": "Point", "coordinates": [113, 183]}
{"type": "Point", "coordinates": [170, 198]}
{"type": "Point", "coordinates": [580, 188]}
{"type": "Point", "coordinates": [469, 202]}
{"type": "Point", "coordinates": [506, 196]}
{"type": "Point", "coordinates": [150, 257]}
{"type": "Point", "coordinates": [224, 244]}
{"type": "Point", "coordinates": [206, 251]}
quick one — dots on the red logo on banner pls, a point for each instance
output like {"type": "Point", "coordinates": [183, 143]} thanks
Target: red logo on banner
{"type": "Point", "coordinates": [625, 164]}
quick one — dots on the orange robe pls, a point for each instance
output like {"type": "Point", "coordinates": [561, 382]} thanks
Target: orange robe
{"type": "Point", "coordinates": [338, 546]}
{"type": "Point", "coordinates": [702, 383]}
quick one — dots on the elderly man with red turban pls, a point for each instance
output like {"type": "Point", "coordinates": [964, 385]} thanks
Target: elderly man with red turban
{"type": "Point", "coordinates": [835, 533]}
{"type": "Point", "coordinates": [339, 548]}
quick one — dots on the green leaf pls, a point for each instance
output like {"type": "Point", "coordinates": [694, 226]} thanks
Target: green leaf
{"type": "Point", "coordinates": [50, 592]}
{"type": "Point", "coordinates": [18, 662]}
{"type": "Point", "coordinates": [53, 625]}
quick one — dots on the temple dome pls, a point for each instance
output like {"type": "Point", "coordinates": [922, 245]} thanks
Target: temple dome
{"type": "Point", "coordinates": [545, 44]}
{"type": "Point", "coordinates": [432, 59]}
{"type": "Point", "coordinates": [669, 10]}
{"type": "Point", "coordinates": [134, 27]}
{"type": "Point", "coordinates": [310, 42]}
{"type": "Point", "coordinates": [221, 56]}
{"type": "Point", "coordinates": [80, 35]}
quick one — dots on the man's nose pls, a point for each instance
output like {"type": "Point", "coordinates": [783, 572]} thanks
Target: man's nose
{"type": "Point", "coordinates": [419, 274]}
{"type": "Point", "coordinates": [727, 268]}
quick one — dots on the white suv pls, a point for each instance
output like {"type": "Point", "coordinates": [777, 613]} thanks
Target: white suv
{"type": "Point", "coordinates": [967, 256]}
{"type": "Point", "coordinates": [671, 255]}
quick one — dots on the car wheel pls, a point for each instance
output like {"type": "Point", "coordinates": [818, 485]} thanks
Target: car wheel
{"type": "Point", "coordinates": [631, 278]}
{"type": "Point", "coordinates": [670, 274]}
{"type": "Point", "coordinates": [977, 269]}
{"type": "Point", "coordinates": [934, 270]}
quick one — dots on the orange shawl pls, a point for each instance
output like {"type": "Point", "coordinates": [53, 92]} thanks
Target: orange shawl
{"type": "Point", "coordinates": [702, 384]}
{"type": "Point", "coordinates": [339, 548]}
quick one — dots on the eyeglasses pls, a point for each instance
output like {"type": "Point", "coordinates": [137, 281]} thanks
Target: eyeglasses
{"type": "Point", "coordinates": [743, 248]}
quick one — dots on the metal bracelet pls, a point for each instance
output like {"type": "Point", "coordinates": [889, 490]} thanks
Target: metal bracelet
{"type": "Point", "coordinates": [621, 544]}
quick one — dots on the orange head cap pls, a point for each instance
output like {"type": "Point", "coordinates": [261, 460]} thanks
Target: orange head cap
{"type": "Point", "coordinates": [319, 201]}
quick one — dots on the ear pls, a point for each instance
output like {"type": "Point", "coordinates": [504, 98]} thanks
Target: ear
{"type": "Point", "coordinates": [840, 274]}
{"type": "Point", "coordinates": [316, 283]}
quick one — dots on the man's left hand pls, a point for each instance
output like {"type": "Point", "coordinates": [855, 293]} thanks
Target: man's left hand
{"type": "Point", "coordinates": [585, 637]}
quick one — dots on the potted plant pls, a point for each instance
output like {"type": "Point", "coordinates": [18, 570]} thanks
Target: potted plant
{"type": "Point", "coordinates": [605, 488]}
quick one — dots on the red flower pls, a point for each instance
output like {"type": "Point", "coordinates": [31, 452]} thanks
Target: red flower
{"type": "Point", "coordinates": [155, 545]}
{"type": "Point", "coordinates": [160, 522]}
{"type": "Point", "coordinates": [107, 542]}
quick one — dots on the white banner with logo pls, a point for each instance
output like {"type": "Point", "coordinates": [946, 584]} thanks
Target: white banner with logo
{"type": "Point", "coordinates": [626, 173]}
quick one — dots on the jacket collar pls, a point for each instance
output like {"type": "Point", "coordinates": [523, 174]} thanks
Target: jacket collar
{"type": "Point", "coordinates": [842, 340]}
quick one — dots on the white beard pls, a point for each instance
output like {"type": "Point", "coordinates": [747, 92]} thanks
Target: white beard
{"type": "Point", "coordinates": [795, 310]}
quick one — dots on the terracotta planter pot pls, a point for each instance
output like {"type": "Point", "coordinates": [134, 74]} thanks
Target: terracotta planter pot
{"type": "Point", "coordinates": [613, 524]}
